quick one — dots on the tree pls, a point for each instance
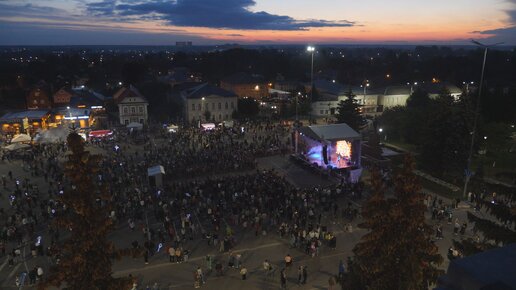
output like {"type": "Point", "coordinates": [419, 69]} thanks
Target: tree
{"type": "Point", "coordinates": [446, 137]}
{"type": "Point", "coordinates": [86, 255]}
{"type": "Point", "coordinates": [397, 252]}
{"type": "Point", "coordinates": [247, 108]}
{"type": "Point", "coordinates": [419, 99]}
{"type": "Point", "coordinates": [348, 112]}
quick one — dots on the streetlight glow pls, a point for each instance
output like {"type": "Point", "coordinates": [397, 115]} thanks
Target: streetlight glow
{"type": "Point", "coordinates": [310, 48]}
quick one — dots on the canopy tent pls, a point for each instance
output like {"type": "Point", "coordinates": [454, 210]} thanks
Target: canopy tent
{"type": "Point", "coordinates": [134, 125]}
{"type": "Point", "coordinates": [208, 126]}
{"type": "Point", "coordinates": [16, 146]}
{"type": "Point", "coordinates": [21, 138]}
{"type": "Point", "coordinates": [172, 128]}
{"type": "Point", "coordinates": [100, 133]}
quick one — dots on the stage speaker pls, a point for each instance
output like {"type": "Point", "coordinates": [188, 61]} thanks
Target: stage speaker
{"type": "Point", "coordinates": [325, 154]}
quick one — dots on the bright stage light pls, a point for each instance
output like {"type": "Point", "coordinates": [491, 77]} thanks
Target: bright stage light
{"type": "Point", "coordinates": [344, 149]}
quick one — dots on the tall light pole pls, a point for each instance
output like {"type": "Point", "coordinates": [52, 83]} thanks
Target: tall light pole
{"type": "Point", "coordinates": [475, 119]}
{"type": "Point", "coordinates": [311, 49]}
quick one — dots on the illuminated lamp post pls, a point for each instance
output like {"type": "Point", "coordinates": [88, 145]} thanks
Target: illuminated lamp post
{"type": "Point", "coordinates": [475, 120]}
{"type": "Point", "coordinates": [311, 49]}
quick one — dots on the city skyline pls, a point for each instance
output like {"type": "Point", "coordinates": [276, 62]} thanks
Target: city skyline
{"type": "Point", "coordinates": [206, 22]}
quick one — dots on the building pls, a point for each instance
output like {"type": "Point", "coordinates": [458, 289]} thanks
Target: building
{"type": "Point", "coordinates": [76, 117]}
{"type": "Point", "coordinates": [24, 122]}
{"type": "Point", "coordinates": [208, 103]}
{"type": "Point", "coordinates": [246, 85]}
{"type": "Point", "coordinates": [489, 270]}
{"type": "Point", "coordinates": [63, 96]}
{"type": "Point", "coordinates": [132, 106]}
{"type": "Point", "coordinates": [39, 97]}
{"type": "Point", "coordinates": [373, 101]}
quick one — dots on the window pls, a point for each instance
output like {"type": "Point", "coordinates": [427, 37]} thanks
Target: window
{"type": "Point", "coordinates": [199, 107]}
{"type": "Point", "coordinates": [232, 105]}
{"type": "Point", "coordinates": [226, 115]}
{"type": "Point", "coordinates": [220, 106]}
{"type": "Point", "coordinates": [321, 112]}
{"type": "Point", "coordinates": [326, 112]}
{"type": "Point", "coordinates": [141, 110]}
{"type": "Point", "coordinates": [126, 122]}
{"type": "Point", "coordinates": [193, 107]}
{"type": "Point", "coordinates": [125, 110]}
{"type": "Point", "coordinates": [141, 121]}
{"type": "Point", "coordinates": [133, 110]}
{"type": "Point", "coordinates": [220, 116]}
{"type": "Point", "coordinates": [226, 106]}
{"type": "Point", "coordinates": [213, 106]}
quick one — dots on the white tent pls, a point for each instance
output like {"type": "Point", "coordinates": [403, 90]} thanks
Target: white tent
{"type": "Point", "coordinates": [134, 125]}
{"type": "Point", "coordinates": [16, 146]}
{"type": "Point", "coordinates": [21, 138]}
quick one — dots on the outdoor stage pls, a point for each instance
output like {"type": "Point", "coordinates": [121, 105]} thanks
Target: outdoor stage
{"type": "Point", "coordinates": [335, 147]}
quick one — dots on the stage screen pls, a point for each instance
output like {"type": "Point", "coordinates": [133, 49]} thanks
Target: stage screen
{"type": "Point", "coordinates": [339, 154]}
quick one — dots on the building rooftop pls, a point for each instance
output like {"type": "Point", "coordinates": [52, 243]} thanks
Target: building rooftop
{"type": "Point", "coordinates": [332, 132]}
{"type": "Point", "coordinates": [30, 114]}
{"type": "Point", "coordinates": [127, 92]}
{"type": "Point", "coordinates": [207, 90]}
{"type": "Point", "coordinates": [492, 269]}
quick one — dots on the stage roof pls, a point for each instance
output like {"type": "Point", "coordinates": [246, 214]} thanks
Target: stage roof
{"type": "Point", "coordinates": [332, 132]}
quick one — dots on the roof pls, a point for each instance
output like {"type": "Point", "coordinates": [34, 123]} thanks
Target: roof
{"type": "Point", "coordinates": [332, 132]}
{"type": "Point", "coordinates": [243, 78]}
{"type": "Point", "coordinates": [73, 112]}
{"type": "Point", "coordinates": [30, 114]}
{"type": "Point", "coordinates": [398, 90]}
{"type": "Point", "coordinates": [437, 88]}
{"type": "Point", "coordinates": [492, 269]}
{"type": "Point", "coordinates": [127, 92]}
{"type": "Point", "coordinates": [86, 97]}
{"type": "Point", "coordinates": [206, 90]}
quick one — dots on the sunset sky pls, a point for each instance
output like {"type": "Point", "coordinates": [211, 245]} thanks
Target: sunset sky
{"type": "Point", "coordinates": [163, 22]}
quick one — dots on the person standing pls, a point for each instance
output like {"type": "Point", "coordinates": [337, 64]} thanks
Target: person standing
{"type": "Point", "coordinates": [331, 283]}
{"type": "Point", "coordinates": [305, 275]}
{"type": "Point", "coordinates": [299, 275]}
{"type": "Point", "coordinates": [200, 275]}
{"type": "Point", "coordinates": [171, 254]}
{"type": "Point", "coordinates": [288, 261]}
{"type": "Point", "coordinates": [341, 270]}
{"type": "Point", "coordinates": [266, 265]}
{"type": "Point", "coordinates": [243, 272]}
{"type": "Point", "coordinates": [283, 279]}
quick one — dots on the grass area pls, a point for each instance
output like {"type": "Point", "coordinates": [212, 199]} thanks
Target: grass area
{"type": "Point", "coordinates": [402, 145]}
{"type": "Point", "coordinates": [439, 189]}
{"type": "Point", "coordinates": [504, 165]}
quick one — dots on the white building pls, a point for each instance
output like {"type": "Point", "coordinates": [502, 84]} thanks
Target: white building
{"type": "Point", "coordinates": [373, 101]}
{"type": "Point", "coordinates": [132, 106]}
{"type": "Point", "coordinates": [208, 103]}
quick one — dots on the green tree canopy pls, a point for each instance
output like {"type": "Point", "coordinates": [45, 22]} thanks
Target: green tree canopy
{"type": "Point", "coordinates": [348, 112]}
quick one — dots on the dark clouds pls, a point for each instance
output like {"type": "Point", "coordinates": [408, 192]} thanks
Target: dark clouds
{"type": "Point", "coordinates": [505, 34]}
{"type": "Point", "coordinates": [223, 14]}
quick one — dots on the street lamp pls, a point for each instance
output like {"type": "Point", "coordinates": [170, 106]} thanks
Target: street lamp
{"type": "Point", "coordinates": [311, 49]}
{"type": "Point", "coordinates": [477, 109]}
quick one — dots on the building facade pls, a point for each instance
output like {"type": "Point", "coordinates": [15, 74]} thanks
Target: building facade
{"type": "Point", "coordinates": [132, 106]}
{"type": "Point", "coordinates": [38, 98]}
{"type": "Point", "coordinates": [246, 85]}
{"type": "Point", "coordinates": [208, 103]}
